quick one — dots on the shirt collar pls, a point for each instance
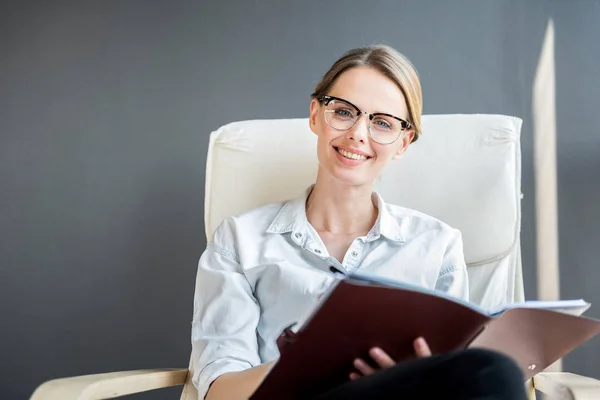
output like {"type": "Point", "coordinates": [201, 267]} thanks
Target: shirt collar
{"type": "Point", "coordinates": [386, 224]}
{"type": "Point", "coordinates": [292, 215]}
{"type": "Point", "coordinates": [292, 218]}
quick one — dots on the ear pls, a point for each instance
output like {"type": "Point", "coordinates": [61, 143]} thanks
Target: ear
{"type": "Point", "coordinates": [315, 106]}
{"type": "Point", "coordinates": [405, 138]}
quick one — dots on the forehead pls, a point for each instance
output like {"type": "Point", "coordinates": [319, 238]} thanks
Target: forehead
{"type": "Point", "coordinates": [370, 90]}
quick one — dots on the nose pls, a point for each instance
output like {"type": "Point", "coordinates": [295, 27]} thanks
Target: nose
{"type": "Point", "coordinates": [360, 131]}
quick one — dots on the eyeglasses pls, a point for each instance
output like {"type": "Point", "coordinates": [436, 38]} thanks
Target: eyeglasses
{"type": "Point", "coordinates": [341, 115]}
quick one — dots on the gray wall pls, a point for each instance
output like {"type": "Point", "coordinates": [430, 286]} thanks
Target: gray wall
{"type": "Point", "coordinates": [105, 112]}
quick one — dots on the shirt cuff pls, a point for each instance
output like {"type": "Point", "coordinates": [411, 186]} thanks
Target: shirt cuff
{"type": "Point", "coordinates": [215, 369]}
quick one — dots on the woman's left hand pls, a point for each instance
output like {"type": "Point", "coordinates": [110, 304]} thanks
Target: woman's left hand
{"type": "Point", "coordinates": [383, 360]}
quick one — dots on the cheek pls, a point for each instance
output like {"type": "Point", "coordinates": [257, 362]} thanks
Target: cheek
{"type": "Point", "coordinates": [326, 134]}
{"type": "Point", "coordinates": [324, 139]}
{"type": "Point", "coordinates": [384, 153]}
{"type": "Point", "coordinates": [389, 152]}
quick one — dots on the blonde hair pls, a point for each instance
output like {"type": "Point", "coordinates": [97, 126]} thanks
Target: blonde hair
{"type": "Point", "coordinates": [390, 63]}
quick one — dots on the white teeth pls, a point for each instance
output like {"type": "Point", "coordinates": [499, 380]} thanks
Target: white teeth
{"type": "Point", "coordinates": [352, 156]}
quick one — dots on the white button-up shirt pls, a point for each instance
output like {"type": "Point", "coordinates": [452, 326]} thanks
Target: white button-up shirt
{"type": "Point", "coordinates": [264, 270]}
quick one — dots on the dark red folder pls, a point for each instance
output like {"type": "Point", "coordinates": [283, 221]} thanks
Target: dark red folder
{"type": "Point", "coordinates": [361, 312]}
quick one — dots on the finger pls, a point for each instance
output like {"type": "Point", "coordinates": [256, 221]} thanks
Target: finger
{"type": "Point", "coordinates": [421, 348]}
{"type": "Point", "coordinates": [363, 367]}
{"type": "Point", "coordinates": [381, 358]}
{"type": "Point", "coordinates": [354, 376]}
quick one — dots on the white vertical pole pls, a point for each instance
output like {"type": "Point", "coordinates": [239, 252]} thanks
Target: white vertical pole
{"type": "Point", "coordinates": [544, 145]}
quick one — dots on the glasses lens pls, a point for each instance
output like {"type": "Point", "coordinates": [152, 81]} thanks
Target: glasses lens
{"type": "Point", "coordinates": [340, 115]}
{"type": "Point", "coordinates": [385, 129]}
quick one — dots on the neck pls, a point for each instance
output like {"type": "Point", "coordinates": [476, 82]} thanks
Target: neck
{"type": "Point", "coordinates": [340, 209]}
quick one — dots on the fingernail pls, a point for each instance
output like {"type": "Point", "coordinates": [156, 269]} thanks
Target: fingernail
{"type": "Point", "coordinates": [376, 351]}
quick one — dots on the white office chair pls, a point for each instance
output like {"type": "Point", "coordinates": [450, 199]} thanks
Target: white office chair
{"type": "Point", "coordinates": [464, 170]}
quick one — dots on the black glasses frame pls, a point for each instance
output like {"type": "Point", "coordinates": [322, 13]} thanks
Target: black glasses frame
{"type": "Point", "coordinates": [326, 99]}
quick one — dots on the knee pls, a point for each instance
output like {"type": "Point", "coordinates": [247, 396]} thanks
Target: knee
{"type": "Point", "coordinates": [482, 360]}
{"type": "Point", "coordinates": [493, 370]}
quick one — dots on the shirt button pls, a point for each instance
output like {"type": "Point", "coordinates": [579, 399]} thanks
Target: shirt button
{"type": "Point", "coordinates": [354, 253]}
{"type": "Point", "coordinates": [317, 251]}
{"type": "Point", "coordinates": [298, 235]}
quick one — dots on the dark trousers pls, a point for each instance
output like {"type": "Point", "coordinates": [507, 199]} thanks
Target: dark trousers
{"type": "Point", "coordinates": [466, 375]}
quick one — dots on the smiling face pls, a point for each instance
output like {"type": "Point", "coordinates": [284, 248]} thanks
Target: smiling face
{"type": "Point", "coordinates": [352, 157]}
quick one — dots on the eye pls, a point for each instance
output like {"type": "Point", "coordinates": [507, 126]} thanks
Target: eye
{"type": "Point", "coordinates": [382, 123]}
{"type": "Point", "coordinates": [344, 113]}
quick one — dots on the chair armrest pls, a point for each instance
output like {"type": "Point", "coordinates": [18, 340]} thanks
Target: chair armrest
{"type": "Point", "coordinates": [567, 386]}
{"type": "Point", "coordinates": [109, 385]}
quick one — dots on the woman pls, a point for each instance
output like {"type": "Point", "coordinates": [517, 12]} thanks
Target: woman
{"type": "Point", "coordinates": [265, 269]}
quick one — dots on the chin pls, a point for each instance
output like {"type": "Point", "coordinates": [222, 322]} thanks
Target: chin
{"type": "Point", "coordinates": [351, 178]}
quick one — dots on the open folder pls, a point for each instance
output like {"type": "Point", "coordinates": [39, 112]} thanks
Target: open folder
{"type": "Point", "coordinates": [360, 312]}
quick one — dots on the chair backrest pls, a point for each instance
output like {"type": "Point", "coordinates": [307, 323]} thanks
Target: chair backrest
{"type": "Point", "coordinates": [464, 170]}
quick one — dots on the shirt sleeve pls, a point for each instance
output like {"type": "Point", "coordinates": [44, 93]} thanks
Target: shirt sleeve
{"type": "Point", "coordinates": [453, 278]}
{"type": "Point", "coordinates": [226, 314]}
